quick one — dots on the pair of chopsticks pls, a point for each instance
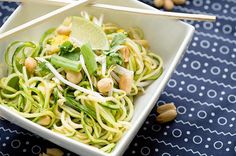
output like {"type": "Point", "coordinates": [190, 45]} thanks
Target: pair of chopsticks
{"type": "Point", "coordinates": [69, 4]}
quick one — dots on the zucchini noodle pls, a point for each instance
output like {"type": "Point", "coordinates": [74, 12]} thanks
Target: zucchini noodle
{"type": "Point", "coordinates": [61, 89]}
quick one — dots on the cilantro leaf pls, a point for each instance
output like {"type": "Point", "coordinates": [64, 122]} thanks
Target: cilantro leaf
{"type": "Point", "coordinates": [118, 39]}
{"type": "Point", "coordinates": [68, 51]}
{"type": "Point", "coordinates": [74, 55]}
{"type": "Point", "coordinates": [66, 47]}
{"type": "Point", "coordinates": [113, 59]}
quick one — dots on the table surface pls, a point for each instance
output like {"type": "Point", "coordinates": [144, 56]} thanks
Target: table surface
{"type": "Point", "coordinates": [203, 87]}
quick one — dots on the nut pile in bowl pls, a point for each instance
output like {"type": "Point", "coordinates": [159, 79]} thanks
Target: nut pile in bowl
{"type": "Point", "coordinates": [168, 4]}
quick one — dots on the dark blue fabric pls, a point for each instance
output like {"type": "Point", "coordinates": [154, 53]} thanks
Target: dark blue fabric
{"type": "Point", "coordinates": [203, 88]}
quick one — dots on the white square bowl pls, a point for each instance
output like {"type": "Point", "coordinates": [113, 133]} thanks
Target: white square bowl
{"type": "Point", "coordinates": [167, 38]}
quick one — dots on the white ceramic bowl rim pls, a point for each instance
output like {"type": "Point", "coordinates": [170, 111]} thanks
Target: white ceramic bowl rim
{"type": "Point", "coordinates": [125, 141]}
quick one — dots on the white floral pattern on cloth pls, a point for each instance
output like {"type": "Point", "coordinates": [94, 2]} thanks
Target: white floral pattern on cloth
{"type": "Point", "coordinates": [203, 88]}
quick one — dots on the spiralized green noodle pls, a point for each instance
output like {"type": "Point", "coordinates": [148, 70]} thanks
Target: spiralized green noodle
{"type": "Point", "coordinates": [80, 111]}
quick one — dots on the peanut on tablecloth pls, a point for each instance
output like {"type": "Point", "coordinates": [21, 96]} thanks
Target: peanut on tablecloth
{"type": "Point", "coordinates": [168, 4]}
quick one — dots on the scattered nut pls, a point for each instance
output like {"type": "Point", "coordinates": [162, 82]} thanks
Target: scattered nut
{"type": "Point", "coordinates": [43, 154]}
{"type": "Point", "coordinates": [158, 3]}
{"type": "Point", "coordinates": [167, 113]}
{"type": "Point", "coordinates": [105, 85]}
{"type": "Point", "coordinates": [166, 116]}
{"type": "Point", "coordinates": [54, 152]}
{"type": "Point", "coordinates": [64, 30]}
{"type": "Point", "coordinates": [125, 83]}
{"type": "Point", "coordinates": [179, 2]}
{"type": "Point", "coordinates": [74, 77]}
{"type": "Point", "coordinates": [166, 107]}
{"type": "Point", "coordinates": [168, 4]}
{"type": "Point", "coordinates": [44, 121]}
{"type": "Point", "coordinates": [30, 64]}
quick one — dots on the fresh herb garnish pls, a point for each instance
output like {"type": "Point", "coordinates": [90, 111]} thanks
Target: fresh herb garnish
{"type": "Point", "coordinates": [118, 39]}
{"type": "Point", "coordinates": [113, 59]}
{"type": "Point", "coordinates": [74, 56]}
{"type": "Point", "coordinates": [66, 47]}
{"type": "Point", "coordinates": [68, 51]}
{"type": "Point", "coordinates": [55, 93]}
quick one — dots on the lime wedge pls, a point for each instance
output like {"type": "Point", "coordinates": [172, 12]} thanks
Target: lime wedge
{"type": "Point", "coordinates": [87, 32]}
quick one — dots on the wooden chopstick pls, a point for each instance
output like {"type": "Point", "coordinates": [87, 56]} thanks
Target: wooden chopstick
{"type": "Point", "coordinates": [69, 4]}
{"type": "Point", "coordinates": [172, 15]}
{"type": "Point", "coordinates": [43, 18]}
{"type": "Point", "coordinates": [47, 2]}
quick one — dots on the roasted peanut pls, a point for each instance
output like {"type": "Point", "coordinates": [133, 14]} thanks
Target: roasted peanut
{"type": "Point", "coordinates": [74, 77]}
{"type": "Point", "coordinates": [125, 83]}
{"type": "Point", "coordinates": [30, 64]}
{"type": "Point", "coordinates": [168, 4]}
{"type": "Point", "coordinates": [179, 2]}
{"type": "Point", "coordinates": [158, 3]}
{"type": "Point", "coordinates": [166, 116]}
{"type": "Point", "coordinates": [166, 107]}
{"type": "Point", "coordinates": [105, 85]}
{"type": "Point", "coordinates": [64, 30]}
{"type": "Point", "coordinates": [44, 121]}
{"type": "Point", "coordinates": [43, 154]}
{"type": "Point", "coordinates": [167, 113]}
{"type": "Point", "coordinates": [125, 53]}
{"type": "Point", "coordinates": [54, 152]}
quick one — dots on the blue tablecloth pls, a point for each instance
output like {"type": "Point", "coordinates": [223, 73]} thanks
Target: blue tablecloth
{"type": "Point", "coordinates": [203, 88]}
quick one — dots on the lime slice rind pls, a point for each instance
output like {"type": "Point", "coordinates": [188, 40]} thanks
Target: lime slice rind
{"type": "Point", "coordinates": [87, 32]}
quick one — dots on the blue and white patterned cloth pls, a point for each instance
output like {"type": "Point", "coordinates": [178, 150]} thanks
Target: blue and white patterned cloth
{"type": "Point", "coordinates": [203, 88]}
